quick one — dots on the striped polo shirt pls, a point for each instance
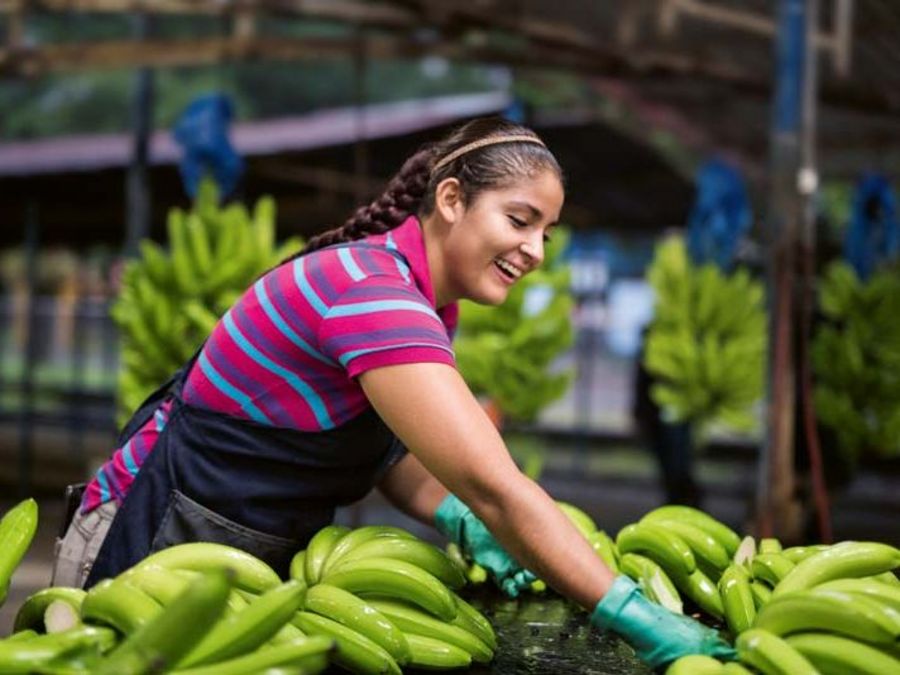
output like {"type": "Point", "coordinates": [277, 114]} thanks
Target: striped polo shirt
{"type": "Point", "coordinates": [288, 353]}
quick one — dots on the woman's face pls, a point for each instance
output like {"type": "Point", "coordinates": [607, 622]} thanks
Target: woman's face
{"type": "Point", "coordinates": [499, 238]}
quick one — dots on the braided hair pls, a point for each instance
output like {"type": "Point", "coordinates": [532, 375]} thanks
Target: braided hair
{"type": "Point", "coordinates": [411, 191]}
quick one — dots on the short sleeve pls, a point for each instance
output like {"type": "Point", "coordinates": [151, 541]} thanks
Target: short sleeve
{"type": "Point", "coordinates": [381, 321]}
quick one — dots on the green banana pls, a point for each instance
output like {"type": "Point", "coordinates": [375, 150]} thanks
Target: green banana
{"type": "Point", "coordinates": [728, 539]}
{"type": "Point", "coordinates": [307, 654]}
{"type": "Point", "coordinates": [833, 611]}
{"type": "Point", "coordinates": [28, 655]}
{"type": "Point", "coordinates": [360, 536]}
{"type": "Point", "coordinates": [836, 655]}
{"type": "Point", "coordinates": [319, 548]}
{"type": "Point", "coordinates": [770, 654]}
{"type": "Point", "coordinates": [24, 634]}
{"type": "Point", "coordinates": [658, 544]}
{"type": "Point", "coordinates": [413, 620]}
{"type": "Point", "coordinates": [797, 553]}
{"type": "Point", "coordinates": [874, 590]}
{"type": "Point", "coordinates": [364, 617]}
{"type": "Point", "coordinates": [355, 652]}
{"type": "Point", "coordinates": [419, 553]}
{"type": "Point", "coordinates": [201, 251]}
{"type": "Point", "coordinates": [31, 613]}
{"type": "Point", "coordinates": [297, 567]}
{"type": "Point", "coordinates": [735, 668]}
{"type": "Point", "coordinates": [695, 664]}
{"type": "Point", "coordinates": [287, 633]}
{"type": "Point", "coordinates": [432, 654]}
{"type": "Point", "coordinates": [737, 598]}
{"type": "Point", "coordinates": [474, 621]}
{"type": "Point", "coordinates": [769, 545]}
{"type": "Point", "coordinates": [605, 547]}
{"type": "Point", "coordinates": [770, 568]}
{"type": "Point", "coordinates": [761, 594]}
{"type": "Point", "coordinates": [397, 579]}
{"type": "Point", "coordinates": [251, 627]}
{"type": "Point", "coordinates": [582, 521]}
{"type": "Point", "coordinates": [888, 578]}
{"type": "Point", "coordinates": [705, 547]}
{"type": "Point", "coordinates": [159, 583]}
{"type": "Point", "coordinates": [847, 559]}
{"type": "Point", "coordinates": [251, 573]}
{"type": "Point", "coordinates": [702, 590]}
{"type": "Point", "coordinates": [163, 641]}
{"type": "Point", "coordinates": [17, 528]}
{"type": "Point", "coordinates": [642, 569]}
{"type": "Point", "coordinates": [182, 264]}
{"type": "Point", "coordinates": [118, 604]}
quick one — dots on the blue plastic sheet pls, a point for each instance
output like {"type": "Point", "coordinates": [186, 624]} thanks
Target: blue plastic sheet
{"type": "Point", "coordinates": [721, 215]}
{"type": "Point", "coordinates": [202, 131]}
{"type": "Point", "coordinates": [873, 236]}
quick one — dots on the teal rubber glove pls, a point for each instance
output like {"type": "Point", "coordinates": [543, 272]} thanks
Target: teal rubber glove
{"type": "Point", "coordinates": [658, 635]}
{"type": "Point", "coordinates": [456, 521]}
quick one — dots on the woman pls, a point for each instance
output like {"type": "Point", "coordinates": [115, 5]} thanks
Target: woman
{"type": "Point", "coordinates": [296, 402]}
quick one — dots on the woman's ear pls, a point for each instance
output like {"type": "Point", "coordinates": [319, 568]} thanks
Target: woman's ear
{"type": "Point", "coordinates": [448, 200]}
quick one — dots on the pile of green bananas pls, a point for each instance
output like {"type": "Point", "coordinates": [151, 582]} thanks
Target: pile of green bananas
{"type": "Point", "coordinates": [855, 358]}
{"type": "Point", "coordinates": [388, 599]}
{"type": "Point", "coordinates": [170, 301]}
{"type": "Point", "coordinates": [706, 344]}
{"type": "Point", "coordinates": [800, 610]}
{"type": "Point", "coordinates": [192, 609]}
{"type": "Point", "coordinates": [505, 353]}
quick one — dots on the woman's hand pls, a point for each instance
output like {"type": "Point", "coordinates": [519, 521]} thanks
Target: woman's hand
{"type": "Point", "coordinates": [457, 522]}
{"type": "Point", "coordinates": [658, 635]}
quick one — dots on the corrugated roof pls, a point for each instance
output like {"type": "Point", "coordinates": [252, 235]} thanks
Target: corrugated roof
{"type": "Point", "coordinates": [66, 154]}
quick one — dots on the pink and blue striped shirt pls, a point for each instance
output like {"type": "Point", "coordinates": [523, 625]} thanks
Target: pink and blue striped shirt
{"type": "Point", "coordinates": [289, 351]}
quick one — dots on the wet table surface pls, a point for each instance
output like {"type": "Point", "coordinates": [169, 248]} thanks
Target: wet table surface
{"type": "Point", "coordinates": [546, 635]}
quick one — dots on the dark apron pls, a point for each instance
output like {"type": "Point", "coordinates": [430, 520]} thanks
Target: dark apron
{"type": "Point", "coordinates": [213, 477]}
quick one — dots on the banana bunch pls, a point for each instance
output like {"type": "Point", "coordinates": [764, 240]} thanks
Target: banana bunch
{"type": "Point", "coordinates": [706, 345]}
{"type": "Point", "coordinates": [855, 354]}
{"type": "Point", "coordinates": [193, 609]}
{"type": "Point", "coordinates": [17, 529]}
{"type": "Point", "coordinates": [506, 352]}
{"type": "Point", "coordinates": [170, 301]}
{"type": "Point", "coordinates": [804, 609]}
{"type": "Point", "coordinates": [388, 600]}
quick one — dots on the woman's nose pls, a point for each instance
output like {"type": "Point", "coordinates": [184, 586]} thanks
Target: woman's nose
{"type": "Point", "coordinates": [534, 251]}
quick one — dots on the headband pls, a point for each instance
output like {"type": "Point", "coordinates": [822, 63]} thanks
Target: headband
{"type": "Point", "coordinates": [490, 140]}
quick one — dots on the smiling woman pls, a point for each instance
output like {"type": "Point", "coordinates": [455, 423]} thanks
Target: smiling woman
{"type": "Point", "coordinates": [334, 373]}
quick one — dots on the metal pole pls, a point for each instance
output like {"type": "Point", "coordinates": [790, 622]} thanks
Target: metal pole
{"type": "Point", "coordinates": [137, 201]}
{"type": "Point", "coordinates": [26, 414]}
{"type": "Point", "coordinates": [789, 234]}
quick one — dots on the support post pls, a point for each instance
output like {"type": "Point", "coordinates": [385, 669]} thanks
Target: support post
{"type": "Point", "coordinates": [789, 238]}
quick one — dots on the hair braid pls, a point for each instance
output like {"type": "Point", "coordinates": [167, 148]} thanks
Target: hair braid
{"type": "Point", "coordinates": [401, 197]}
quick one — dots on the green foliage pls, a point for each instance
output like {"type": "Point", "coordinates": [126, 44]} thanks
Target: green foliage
{"type": "Point", "coordinates": [856, 361]}
{"type": "Point", "coordinates": [707, 342]}
{"type": "Point", "coordinates": [171, 300]}
{"type": "Point", "coordinates": [506, 353]}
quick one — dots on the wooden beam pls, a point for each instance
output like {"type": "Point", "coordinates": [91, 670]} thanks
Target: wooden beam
{"type": "Point", "coordinates": [369, 13]}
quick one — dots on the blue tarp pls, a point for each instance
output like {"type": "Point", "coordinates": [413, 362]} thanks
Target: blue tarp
{"type": "Point", "coordinates": [721, 215]}
{"type": "Point", "coordinates": [873, 236]}
{"type": "Point", "coordinates": [202, 131]}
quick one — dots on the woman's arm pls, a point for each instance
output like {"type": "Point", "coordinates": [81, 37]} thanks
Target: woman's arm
{"type": "Point", "coordinates": [430, 408]}
{"type": "Point", "coordinates": [411, 488]}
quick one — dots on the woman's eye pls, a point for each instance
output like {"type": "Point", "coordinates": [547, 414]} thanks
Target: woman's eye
{"type": "Point", "coordinates": [518, 222]}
